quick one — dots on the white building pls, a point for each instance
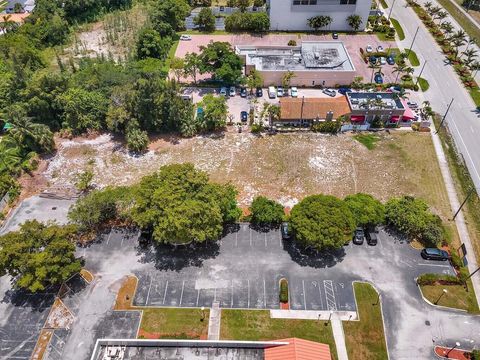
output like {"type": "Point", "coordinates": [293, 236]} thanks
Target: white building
{"type": "Point", "coordinates": [292, 15]}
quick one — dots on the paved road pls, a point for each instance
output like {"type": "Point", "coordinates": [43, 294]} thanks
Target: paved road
{"type": "Point", "coordinates": [463, 120]}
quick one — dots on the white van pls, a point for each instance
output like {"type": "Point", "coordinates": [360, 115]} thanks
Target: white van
{"type": "Point", "coordinates": [272, 94]}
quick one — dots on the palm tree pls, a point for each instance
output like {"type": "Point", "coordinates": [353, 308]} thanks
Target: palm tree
{"type": "Point", "coordinates": [354, 21]}
{"type": "Point", "coordinates": [434, 11]}
{"type": "Point", "coordinates": [447, 28]}
{"type": "Point", "coordinates": [441, 15]}
{"type": "Point", "coordinates": [428, 5]}
{"type": "Point", "coordinates": [470, 56]}
{"type": "Point", "coordinates": [10, 155]}
{"type": "Point", "coordinates": [399, 69]}
{"type": "Point", "coordinates": [470, 41]}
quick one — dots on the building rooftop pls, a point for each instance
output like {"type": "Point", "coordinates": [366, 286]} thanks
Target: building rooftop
{"type": "Point", "coordinates": [374, 101]}
{"type": "Point", "coordinates": [309, 56]}
{"type": "Point", "coordinates": [312, 108]}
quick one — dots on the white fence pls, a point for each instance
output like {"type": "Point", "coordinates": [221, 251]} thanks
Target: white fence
{"type": "Point", "coordinates": [351, 127]}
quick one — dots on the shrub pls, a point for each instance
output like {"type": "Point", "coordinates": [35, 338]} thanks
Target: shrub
{"type": "Point", "coordinates": [284, 291]}
{"type": "Point", "coordinates": [256, 128]}
{"type": "Point", "coordinates": [329, 127]}
{"type": "Point", "coordinates": [431, 279]}
{"type": "Point", "coordinates": [365, 209]}
{"type": "Point", "coordinates": [476, 355]}
{"type": "Point", "coordinates": [255, 22]}
{"type": "Point", "coordinates": [266, 212]}
{"type": "Point", "coordinates": [292, 43]}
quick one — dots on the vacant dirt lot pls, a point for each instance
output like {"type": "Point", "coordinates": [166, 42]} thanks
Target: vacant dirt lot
{"type": "Point", "coordinates": [286, 167]}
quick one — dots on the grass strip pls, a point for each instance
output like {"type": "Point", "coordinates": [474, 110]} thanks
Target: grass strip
{"type": "Point", "coordinates": [398, 28]}
{"type": "Point", "coordinates": [457, 296]}
{"type": "Point", "coordinates": [413, 58]}
{"type": "Point", "coordinates": [255, 325]}
{"type": "Point", "coordinates": [470, 28]}
{"type": "Point", "coordinates": [365, 339]}
{"type": "Point", "coordinates": [423, 83]}
{"type": "Point", "coordinates": [369, 140]}
{"type": "Point", "coordinates": [384, 4]}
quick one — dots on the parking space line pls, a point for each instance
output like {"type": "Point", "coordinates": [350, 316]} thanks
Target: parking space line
{"type": "Point", "coordinates": [181, 294]}
{"type": "Point", "coordinates": [198, 296]}
{"type": "Point", "coordinates": [215, 295]}
{"type": "Point", "coordinates": [280, 241]}
{"type": "Point", "coordinates": [236, 239]}
{"type": "Point", "coordinates": [121, 242]}
{"type": "Point", "coordinates": [330, 295]}
{"type": "Point", "coordinates": [108, 237]}
{"type": "Point", "coordinates": [165, 293]}
{"type": "Point", "coordinates": [248, 291]}
{"type": "Point", "coordinates": [264, 295]}
{"type": "Point", "coordinates": [439, 265]}
{"type": "Point", "coordinates": [231, 302]}
{"type": "Point", "coordinates": [250, 237]}
{"type": "Point", "coordinates": [319, 293]}
{"type": "Point", "coordinates": [148, 292]}
{"type": "Point", "coordinates": [304, 296]}
{"type": "Point", "coordinates": [265, 240]}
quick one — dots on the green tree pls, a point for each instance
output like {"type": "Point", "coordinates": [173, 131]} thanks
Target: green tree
{"type": "Point", "coordinates": [177, 65]}
{"type": "Point", "coordinates": [322, 222]}
{"type": "Point", "coordinates": [366, 210]}
{"type": "Point", "coordinates": [254, 80]}
{"type": "Point", "coordinates": [192, 65]}
{"type": "Point", "coordinates": [266, 212]}
{"type": "Point", "coordinates": [320, 21]}
{"type": "Point", "coordinates": [38, 255]}
{"type": "Point", "coordinates": [205, 20]}
{"type": "Point", "coordinates": [354, 21]}
{"type": "Point", "coordinates": [254, 22]}
{"type": "Point", "coordinates": [243, 5]}
{"type": "Point", "coordinates": [258, 3]}
{"type": "Point", "coordinates": [287, 78]}
{"type": "Point", "coordinates": [219, 59]}
{"type": "Point", "coordinates": [137, 140]}
{"type": "Point", "coordinates": [83, 110]}
{"type": "Point", "coordinates": [200, 3]}
{"type": "Point", "coordinates": [413, 217]}
{"type": "Point", "coordinates": [215, 110]}
{"type": "Point", "coordinates": [18, 8]}
{"type": "Point", "coordinates": [151, 44]}
{"type": "Point", "coordinates": [84, 180]}
{"type": "Point", "coordinates": [172, 12]}
{"type": "Point", "coordinates": [178, 204]}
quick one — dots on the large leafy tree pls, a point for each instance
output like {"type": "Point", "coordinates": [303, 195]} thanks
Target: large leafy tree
{"type": "Point", "coordinates": [169, 12]}
{"type": "Point", "coordinates": [319, 22]}
{"type": "Point", "coordinates": [266, 211]}
{"type": "Point", "coordinates": [219, 59]}
{"type": "Point", "coordinates": [413, 217]}
{"type": "Point", "coordinates": [192, 65]}
{"type": "Point", "coordinates": [354, 21]}
{"type": "Point", "coordinates": [205, 20]}
{"type": "Point", "coordinates": [38, 255]}
{"type": "Point", "coordinates": [179, 205]}
{"type": "Point", "coordinates": [322, 222]}
{"type": "Point", "coordinates": [214, 110]}
{"type": "Point", "coordinates": [366, 210]}
{"type": "Point", "coordinates": [151, 44]}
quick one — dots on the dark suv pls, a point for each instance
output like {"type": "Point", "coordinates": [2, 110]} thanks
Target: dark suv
{"type": "Point", "coordinates": [358, 236]}
{"type": "Point", "coordinates": [435, 254]}
{"type": "Point", "coordinates": [285, 229]}
{"type": "Point", "coordinates": [371, 237]}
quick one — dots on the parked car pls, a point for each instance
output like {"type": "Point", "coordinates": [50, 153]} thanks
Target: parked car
{"type": "Point", "coordinates": [293, 91]}
{"type": "Point", "coordinates": [285, 230]}
{"type": "Point", "coordinates": [369, 49]}
{"type": "Point", "coordinates": [372, 59]}
{"type": "Point", "coordinates": [378, 78]}
{"type": "Point", "coordinates": [390, 60]}
{"type": "Point", "coordinates": [329, 92]}
{"type": "Point", "coordinates": [259, 92]}
{"type": "Point", "coordinates": [344, 90]}
{"type": "Point", "coordinates": [243, 92]}
{"type": "Point", "coordinates": [185, 37]}
{"type": "Point", "coordinates": [243, 116]}
{"type": "Point", "coordinates": [383, 61]}
{"type": "Point", "coordinates": [223, 91]}
{"type": "Point", "coordinates": [435, 254]}
{"type": "Point", "coordinates": [380, 48]}
{"type": "Point", "coordinates": [272, 93]}
{"type": "Point", "coordinates": [232, 91]}
{"type": "Point", "coordinates": [335, 35]}
{"type": "Point", "coordinates": [412, 104]}
{"type": "Point", "coordinates": [280, 91]}
{"type": "Point", "coordinates": [371, 237]}
{"type": "Point", "coordinates": [358, 236]}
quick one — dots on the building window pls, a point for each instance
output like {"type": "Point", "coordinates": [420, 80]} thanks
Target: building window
{"type": "Point", "coordinates": [304, 2]}
{"type": "Point", "coordinates": [348, 2]}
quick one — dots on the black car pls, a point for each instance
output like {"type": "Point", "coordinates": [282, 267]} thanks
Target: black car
{"type": "Point", "coordinates": [390, 60]}
{"type": "Point", "coordinates": [344, 90]}
{"type": "Point", "coordinates": [335, 35]}
{"type": "Point", "coordinates": [435, 254]}
{"type": "Point", "coordinates": [372, 59]}
{"type": "Point", "coordinates": [259, 92]}
{"type": "Point", "coordinates": [358, 236]}
{"type": "Point", "coordinates": [243, 92]}
{"type": "Point", "coordinates": [244, 116]}
{"type": "Point", "coordinates": [285, 230]}
{"type": "Point", "coordinates": [371, 237]}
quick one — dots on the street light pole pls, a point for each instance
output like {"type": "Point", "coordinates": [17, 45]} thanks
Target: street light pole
{"type": "Point", "coordinates": [444, 116]}
{"type": "Point", "coordinates": [329, 317]}
{"type": "Point", "coordinates": [421, 71]}
{"type": "Point", "coordinates": [470, 192]}
{"type": "Point", "coordinates": [444, 291]}
{"type": "Point", "coordinates": [473, 273]}
{"type": "Point", "coordinates": [414, 37]}
{"type": "Point", "coordinates": [390, 12]}
{"type": "Point", "coordinates": [457, 344]}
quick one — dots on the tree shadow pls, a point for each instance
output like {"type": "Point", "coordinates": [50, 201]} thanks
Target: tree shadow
{"type": "Point", "coordinates": [230, 229]}
{"type": "Point", "coordinates": [26, 299]}
{"type": "Point", "coordinates": [312, 258]}
{"type": "Point", "coordinates": [398, 236]}
{"type": "Point", "coordinates": [264, 228]}
{"type": "Point", "coordinates": [175, 258]}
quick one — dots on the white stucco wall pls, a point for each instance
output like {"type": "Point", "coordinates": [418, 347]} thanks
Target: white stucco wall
{"type": "Point", "coordinates": [285, 16]}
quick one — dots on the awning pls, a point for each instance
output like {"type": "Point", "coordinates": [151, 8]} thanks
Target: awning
{"type": "Point", "coordinates": [394, 118]}
{"type": "Point", "coordinates": [357, 118]}
{"type": "Point", "coordinates": [408, 114]}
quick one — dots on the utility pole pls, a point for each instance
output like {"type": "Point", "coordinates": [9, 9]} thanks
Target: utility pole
{"type": "Point", "coordinates": [421, 71]}
{"type": "Point", "coordinates": [414, 37]}
{"type": "Point", "coordinates": [444, 116]}
{"type": "Point", "coordinates": [473, 273]}
{"type": "Point", "coordinates": [470, 192]}
{"type": "Point", "coordinates": [390, 12]}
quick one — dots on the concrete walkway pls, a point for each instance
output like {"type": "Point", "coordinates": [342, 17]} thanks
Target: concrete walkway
{"type": "Point", "coordinates": [214, 322]}
{"type": "Point", "coordinates": [312, 314]}
{"type": "Point", "coordinates": [339, 337]}
{"type": "Point", "coordinates": [455, 204]}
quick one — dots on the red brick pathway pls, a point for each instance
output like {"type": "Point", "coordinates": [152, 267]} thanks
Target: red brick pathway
{"type": "Point", "coordinates": [441, 352]}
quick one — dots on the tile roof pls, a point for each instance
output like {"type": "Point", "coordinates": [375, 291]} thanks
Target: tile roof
{"type": "Point", "coordinates": [298, 349]}
{"type": "Point", "coordinates": [18, 18]}
{"type": "Point", "coordinates": [291, 108]}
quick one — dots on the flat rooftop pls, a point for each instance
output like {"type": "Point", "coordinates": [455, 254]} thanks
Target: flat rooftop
{"type": "Point", "coordinates": [374, 101]}
{"type": "Point", "coordinates": [309, 56]}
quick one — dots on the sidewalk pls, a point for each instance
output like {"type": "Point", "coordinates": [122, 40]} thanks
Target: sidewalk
{"type": "Point", "coordinates": [214, 322]}
{"type": "Point", "coordinates": [313, 315]}
{"type": "Point", "coordinates": [339, 337]}
{"type": "Point", "coordinates": [455, 204]}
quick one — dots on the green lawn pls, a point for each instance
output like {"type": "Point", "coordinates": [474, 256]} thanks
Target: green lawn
{"type": "Point", "coordinates": [412, 57]}
{"type": "Point", "coordinates": [369, 140]}
{"type": "Point", "coordinates": [173, 323]}
{"type": "Point", "coordinates": [171, 55]}
{"type": "Point", "coordinates": [384, 4]}
{"type": "Point", "coordinates": [365, 339]}
{"type": "Point", "coordinates": [456, 297]}
{"type": "Point", "coordinates": [254, 325]}
{"type": "Point", "coordinates": [423, 83]}
{"type": "Point", "coordinates": [398, 28]}
{"type": "Point", "coordinates": [475, 94]}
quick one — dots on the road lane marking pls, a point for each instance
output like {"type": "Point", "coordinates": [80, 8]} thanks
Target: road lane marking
{"type": "Point", "coordinates": [181, 295]}
{"type": "Point", "coordinates": [148, 292]}
{"type": "Point", "coordinates": [198, 296]}
{"type": "Point", "coordinates": [165, 293]}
